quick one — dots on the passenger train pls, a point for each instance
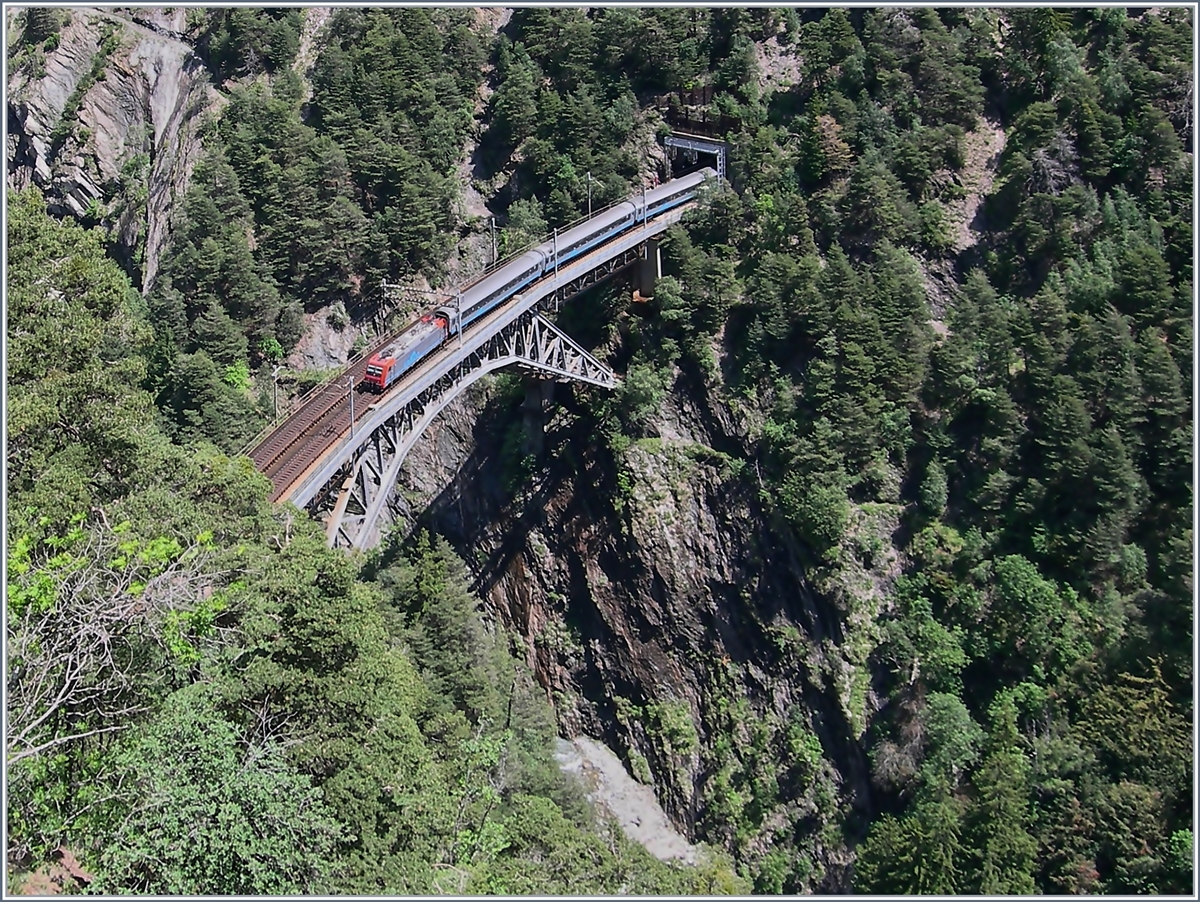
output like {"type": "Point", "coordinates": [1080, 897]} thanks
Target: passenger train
{"type": "Point", "coordinates": [432, 328]}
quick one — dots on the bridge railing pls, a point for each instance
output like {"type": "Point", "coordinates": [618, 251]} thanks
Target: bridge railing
{"type": "Point", "coordinates": [538, 242]}
{"type": "Point", "coordinates": [341, 371]}
{"type": "Point", "coordinates": [326, 463]}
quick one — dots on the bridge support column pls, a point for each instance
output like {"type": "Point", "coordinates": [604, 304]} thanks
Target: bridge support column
{"type": "Point", "coordinates": [648, 270]}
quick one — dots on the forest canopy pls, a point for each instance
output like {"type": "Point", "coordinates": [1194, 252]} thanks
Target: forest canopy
{"type": "Point", "coordinates": [949, 283]}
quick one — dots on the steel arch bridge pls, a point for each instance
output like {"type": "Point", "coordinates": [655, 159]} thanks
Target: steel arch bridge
{"type": "Point", "coordinates": [530, 342]}
{"type": "Point", "coordinates": [345, 472]}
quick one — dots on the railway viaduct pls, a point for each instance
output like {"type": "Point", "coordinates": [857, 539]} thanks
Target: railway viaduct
{"type": "Point", "coordinates": [338, 456]}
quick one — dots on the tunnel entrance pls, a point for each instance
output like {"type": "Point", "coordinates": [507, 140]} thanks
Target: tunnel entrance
{"type": "Point", "coordinates": [688, 152]}
{"type": "Point", "coordinates": [697, 132]}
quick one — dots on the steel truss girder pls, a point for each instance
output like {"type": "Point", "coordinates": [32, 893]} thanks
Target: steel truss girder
{"type": "Point", "coordinates": [594, 276]}
{"type": "Point", "coordinates": [367, 480]}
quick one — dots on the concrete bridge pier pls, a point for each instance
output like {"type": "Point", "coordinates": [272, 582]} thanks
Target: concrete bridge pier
{"type": "Point", "coordinates": [647, 271]}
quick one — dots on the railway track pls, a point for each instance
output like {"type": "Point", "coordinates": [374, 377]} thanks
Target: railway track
{"type": "Point", "coordinates": [289, 449]}
{"type": "Point", "coordinates": [308, 431]}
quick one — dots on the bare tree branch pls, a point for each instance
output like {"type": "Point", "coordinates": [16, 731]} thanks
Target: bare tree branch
{"type": "Point", "coordinates": [46, 746]}
{"type": "Point", "coordinates": [76, 659]}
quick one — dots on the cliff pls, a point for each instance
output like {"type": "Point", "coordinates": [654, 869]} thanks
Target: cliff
{"type": "Point", "coordinates": [722, 675]}
{"type": "Point", "coordinates": [104, 117]}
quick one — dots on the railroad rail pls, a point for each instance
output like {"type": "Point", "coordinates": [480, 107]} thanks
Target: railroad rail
{"type": "Point", "coordinates": [286, 451]}
{"type": "Point", "coordinates": [282, 451]}
{"type": "Point", "coordinates": [337, 453]}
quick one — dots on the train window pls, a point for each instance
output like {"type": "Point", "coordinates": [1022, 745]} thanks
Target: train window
{"type": "Point", "coordinates": [516, 280]}
{"type": "Point", "coordinates": [374, 371]}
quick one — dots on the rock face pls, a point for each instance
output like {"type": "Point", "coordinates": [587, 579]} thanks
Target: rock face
{"type": "Point", "coordinates": [632, 805]}
{"type": "Point", "coordinates": [133, 95]}
{"type": "Point", "coordinates": [654, 597]}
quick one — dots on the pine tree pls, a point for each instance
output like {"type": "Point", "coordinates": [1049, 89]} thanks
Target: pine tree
{"type": "Point", "coordinates": [903, 314]}
{"type": "Point", "coordinates": [1140, 732]}
{"type": "Point", "coordinates": [218, 334]}
{"type": "Point", "coordinates": [1144, 288]}
{"type": "Point", "coordinates": [1000, 816]}
{"type": "Point", "coordinates": [41, 23]}
{"type": "Point", "coordinates": [920, 854]}
{"type": "Point", "coordinates": [1061, 429]}
{"type": "Point", "coordinates": [996, 342]}
{"type": "Point", "coordinates": [858, 406]}
{"type": "Point", "coordinates": [1112, 499]}
{"type": "Point", "coordinates": [514, 109]}
{"type": "Point", "coordinates": [1095, 156]}
{"type": "Point", "coordinates": [1165, 447]}
{"type": "Point", "coordinates": [1103, 359]}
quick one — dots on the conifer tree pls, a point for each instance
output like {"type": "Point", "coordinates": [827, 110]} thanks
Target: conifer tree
{"type": "Point", "coordinates": [1000, 816]}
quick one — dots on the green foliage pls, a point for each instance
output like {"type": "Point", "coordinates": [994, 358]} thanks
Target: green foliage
{"type": "Point", "coordinates": [816, 508]}
{"type": "Point", "coordinates": [933, 489]}
{"type": "Point", "coordinates": [237, 375]}
{"type": "Point", "coordinates": [673, 721]}
{"type": "Point", "coordinates": [206, 405]}
{"type": "Point", "coordinates": [101, 622]}
{"type": "Point", "coordinates": [204, 810]}
{"type": "Point", "coordinates": [921, 645]}
{"type": "Point", "coordinates": [271, 349]}
{"type": "Point", "coordinates": [1035, 627]}
{"type": "Point", "coordinates": [285, 215]}
{"type": "Point", "coordinates": [429, 590]}
{"type": "Point", "coordinates": [1138, 731]}
{"type": "Point", "coordinates": [241, 42]}
{"type": "Point", "coordinates": [77, 424]}
{"type": "Point", "coordinates": [377, 738]}
{"type": "Point", "coordinates": [642, 392]}
{"type": "Point", "coordinates": [42, 25]}
{"type": "Point", "coordinates": [526, 226]}
{"type": "Point", "coordinates": [952, 740]}
{"type": "Point", "coordinates": [1002, 812]}
{"type": "Point", "coordinates": [919, 854]}
{"type": "Point", "coordinates": [1179, 862]}
{"type": "Point", "coordinates": [395, 73]}
{"type": "Point", "coordinates": [935, 233]}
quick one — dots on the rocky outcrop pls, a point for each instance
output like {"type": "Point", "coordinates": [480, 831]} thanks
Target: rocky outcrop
{"type": "Point", "coordinates": [655, 596]}
{"type": "Point", "coordinates": [106, 124]}
{"type": "Point", "coordinates": [631, 804]}
{"type": "Point", "coordinates": [315, 18]}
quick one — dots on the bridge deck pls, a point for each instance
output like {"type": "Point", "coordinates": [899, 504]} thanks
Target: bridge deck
{"type": "Point", "coordinates": [309, 446]}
